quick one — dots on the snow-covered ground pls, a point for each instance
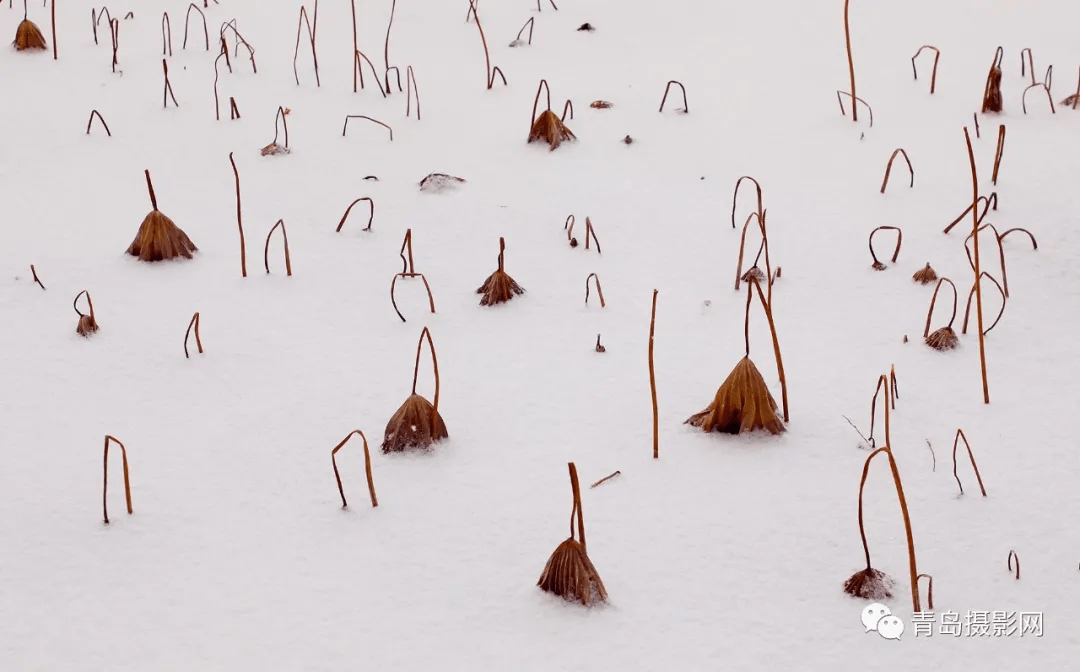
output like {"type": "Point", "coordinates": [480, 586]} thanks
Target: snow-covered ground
{"type": "Point", "coordinates": [727, 552]}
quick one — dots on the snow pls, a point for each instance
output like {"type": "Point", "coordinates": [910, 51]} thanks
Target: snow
{"type": "Point", "coordinates": [724, 552]}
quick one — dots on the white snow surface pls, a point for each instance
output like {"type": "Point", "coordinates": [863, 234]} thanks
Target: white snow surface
{"type": "Point", "coordinates": [726, 552]}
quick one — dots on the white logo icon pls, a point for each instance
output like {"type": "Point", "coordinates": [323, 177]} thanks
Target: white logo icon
{"type": "Point", "coordinates": [872, 614]}
{"type": "Point", "coordinates": [890, 627]}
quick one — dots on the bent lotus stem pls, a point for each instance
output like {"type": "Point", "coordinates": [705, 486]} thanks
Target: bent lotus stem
{"type": "Point", "coordinates": [358, 69]}
{"type": "Point", "coordinates": [371, 215]}
{"type": "Point", "coordinates": [967, 306]}
{"type": "Point", "coordinates": [1012, 555]}
{"type": "Point", "coordinates": [599, 291]}
{"type": "Point", "coordinates": [285, 239]}
{"type": "Point", "coordinates": [896, 251]}
{"type": "Point", "coordinates": [406, 245]}
{"type": "Point", "coordinates": [929, 590]}
{"type": "Point", "coordinates": [988, 204]}
{"type": "Point", "coordinates": [105, 481]}
{"type": "Point", "coordinates": [735, 198]}
{"type": "Point", "coordinates": [1045, 86]}
{"type": "Point", "coordinates": [435, 369]}
{"type": "Point", "coordinates": [427, 288]}
{"type": "Point", "coordinates": [1030, 62]}
{"type": "Point", "coordinates": [742, 245]}
{"type": "Point", "coordinates": [198, 340]}
{"type": "Point", "coordinates": [1001, 253]}
{"type": "Point", "coordinates": [1034, 243]}
{"type": "Point", "coordinates": [312, 26]}
{"type": "Point", "coordinates": [888, 168]}
{"type": "Point", "coordinates": [284, 124]}
{"type": "Point", "coordinates": [590, 234]}
{"type": "Point", "coordinates": [187, 18]}
{"type": "Point", "coordinates": [577, 509]}
{"type": "Point", "coordinates": [95, 113]}
{"type": "Point", "coordinates": [892, 384]}
{"type": "Point", "coordinates": [166, 35]}
{"type": "Point", "coordinates": [345, 127]}
{"type": "Point", "coordinates": [933, 300]}
{"type": "Point", "coordinates": [933, 74]}
{"type": "Point", "coordinates": [971, 458]}
{"type": "Point", "coordinates": [367, 468]}
{"type": "Point", "coordinates": [854, 105]}
{"type": "Point", "coordinates": [410, 90]}
{"type": "Point", "coordinates": [887, 383]}
{"type": "Point", "coordinates": [667, 89]}
{"type": "Point", "coordinates": [536, 101]}
{"type": "Point", "coordinates": [89, 303]}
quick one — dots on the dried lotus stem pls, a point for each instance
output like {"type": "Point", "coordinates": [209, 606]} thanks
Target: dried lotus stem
{"type": "Point", "coordinates": [127, 479]}
{"type": "Point", "coordinates": [933, 301]}
{"type": "Point", "coordinates": [33, 272]}
{"type": "Point", "coordinates": [998, 153]}
{"type": "Point", "coordinates": [590, 234]}
{"type": "Point", "coordinates": [988, 204]}
{"type": "Point", "coordinates": [239, 221]}
{"type": "Point", "coordinates": [652, 379]}
{"type": "Point", "coordinates": [933, 73]}
{"type": "Point", "coordinates": [95, 113]}
{"type": "Point", "coordinates": [1012, 554]}
{"type": "Point", "coordinates": [1001, 254]}
{"type": "Point", "coordinates": [408, 271]}
{"type": "Point", "coordinates": [854, 105]}
{"type": "Point", "coordinates": [1045, 86]}
{"type": "Point", "coordinates": [168, 93]}
{"type": "Point", "coordinates": [742, 245]}
{"type": "Point", "coordinates": [877, 265]}
{"type": "Point", "coordinates": [893, 385]}
{"type": "Point", "coordinates": [667, 89]}
{"type": "Point", "coordinates": [345, 127]}
{"type": "Point", "coordinates": [312, 26]}
{"type": "Point", "coordinates": [285, 239]}
{"type": "Point", "coordinates": [851, 72]}
{"type": "Point", "coordinates": [371, 215]}
{"type": "Point", "coordinates": [198, 340]}
{"type": "Point", "coordinates": [971, 457]}
{"type": "Point", "coordinates": [1034, 244]}
{"type": "Point", "coordinates": [888, 168]}
{"type": "Point", "coordinates": [605, 479]}
{"type": "Point", "coordinates": [411, 90]}
{"type": "Point", "coordinates": [967, 307]}
{"type": "Point", "coordinates": [528, 24]}
{"type": "Point", "coordinates": [187, 18]}
{"type": "Point", "coordinates": [929, 590]}
{"type": "Point", "coordinates": [1029, 71]}
{"type": "Point", "coordinates": [599, 291]}
{"type": "Point", "coordinates": [367, 468]}
{"type": "Point", "coordinates": [166, 35]}
{"type": "Point", "coordinates": [735, 198]}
